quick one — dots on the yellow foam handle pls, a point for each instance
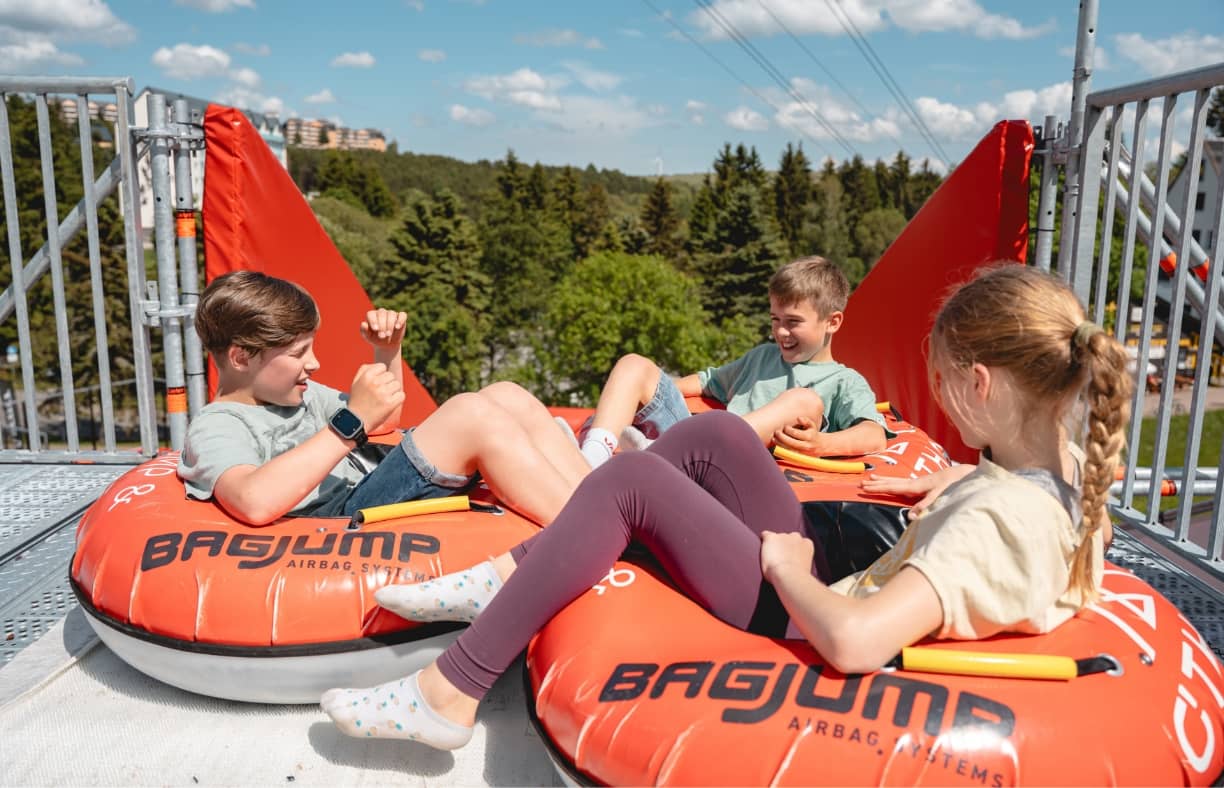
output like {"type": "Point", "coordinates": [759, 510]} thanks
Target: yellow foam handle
{"type": "Point", "coordinates": [883, 407]}
{"type": "Point", "coordinates": [818, 463]}
{"type": "Point", "coordinates": [376, 514]}
{"type": "Point", "coordinates": [978, 663]}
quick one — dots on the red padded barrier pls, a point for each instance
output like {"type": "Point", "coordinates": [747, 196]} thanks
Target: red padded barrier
{"type": "Point", "coordinates": [979, 215]}
{"type": "Point", "coordinates": [256, 219]}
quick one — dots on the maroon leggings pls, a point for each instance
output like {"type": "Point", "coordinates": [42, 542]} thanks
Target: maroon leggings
{"type": "Point", "coordinates": [697, 500]}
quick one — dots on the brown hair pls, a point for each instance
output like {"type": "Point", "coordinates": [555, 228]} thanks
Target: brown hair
{"type": "Point", "coordinates": [253, 311]}
{"type": "Point", "coordinates": [812, 279]}
{"type": "Point", "coordinates": [1031, 324]}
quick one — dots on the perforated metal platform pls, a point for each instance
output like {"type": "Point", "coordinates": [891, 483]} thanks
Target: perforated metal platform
{"type": "Point", "coordinates": [40, 506]}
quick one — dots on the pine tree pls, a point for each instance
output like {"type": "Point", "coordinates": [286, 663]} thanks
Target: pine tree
{"type": "Point", "coordinates": [792, 191]}
{"type": "Point", "coordinates": [660, 221]}
{"type": "Point", "coordinates": [1215, 112]}
{"type": "Point", "coordinates": [435, 277]}
{"type": "Point", "coordinates": [899, 180]}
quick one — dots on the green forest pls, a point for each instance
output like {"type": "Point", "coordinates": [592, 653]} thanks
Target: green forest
{"type": "Point", "coordinates": [546, 275]}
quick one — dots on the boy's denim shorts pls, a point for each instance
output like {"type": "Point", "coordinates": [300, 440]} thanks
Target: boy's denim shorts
{"type": "Point", "coordinates": [405, 474]}
{"type": "Point", "coordinates": [665, 409]}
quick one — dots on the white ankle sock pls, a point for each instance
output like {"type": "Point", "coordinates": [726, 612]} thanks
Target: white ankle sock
{"type": "Point", "coordinates": [598, 446]}
{"type": "Point", "coordinates": [567, 429]}
{"type": "Point", "coordinates": [395, 710]}
{"type": "Point", "coordinates": [459, 596]}
{"type": "Point", "coordinates": [632, 439]}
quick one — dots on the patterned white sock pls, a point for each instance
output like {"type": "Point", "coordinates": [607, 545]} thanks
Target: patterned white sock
{"type": "Point", "coordinates": [632, 439]}
{"type": "Point", "coordinates": [395, 710]}
{"type": "Point", "coordinates": [459, 596]}
{"type": "Point", "coordinates": [598, 446]}
{"type": "Point", "coordinates": [567, 429]}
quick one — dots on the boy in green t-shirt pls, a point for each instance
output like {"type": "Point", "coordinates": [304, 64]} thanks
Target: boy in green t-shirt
{"type": "Point", "coordinates": [790, 390]}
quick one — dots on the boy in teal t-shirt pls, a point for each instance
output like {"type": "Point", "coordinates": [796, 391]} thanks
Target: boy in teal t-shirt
{"type": "Point", "coordinates": [790, 390]}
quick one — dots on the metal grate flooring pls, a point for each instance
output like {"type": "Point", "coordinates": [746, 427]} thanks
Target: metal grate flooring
{"type": "Point", "coordinates": [40, 506]}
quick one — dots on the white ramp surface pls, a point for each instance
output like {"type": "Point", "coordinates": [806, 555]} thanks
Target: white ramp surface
{"type": "Point", "coordinates": [72, 713]}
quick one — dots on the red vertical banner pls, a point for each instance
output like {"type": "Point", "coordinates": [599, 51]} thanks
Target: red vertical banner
{"type": "Point", "coordinates": [256, 219]}
{"type": "Point", "coordinates": [979, 215]}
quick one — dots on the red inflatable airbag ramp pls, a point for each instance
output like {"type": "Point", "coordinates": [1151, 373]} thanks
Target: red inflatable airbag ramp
{"type": "Point", "coordinates": [634, 684]}
{"type": "Point", "coordinates": [979, 215]}
{"type": "Point", "coordinates": [256, 219]}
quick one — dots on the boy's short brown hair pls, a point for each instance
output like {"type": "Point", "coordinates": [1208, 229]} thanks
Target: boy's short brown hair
{"type": "Point", "coordinates": [812, 279]}
{"type": "Point", "coordinates": [253, 311]}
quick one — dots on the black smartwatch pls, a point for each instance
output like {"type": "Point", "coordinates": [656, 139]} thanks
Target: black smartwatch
{"type": "Point", "coordinates": [347, 425]}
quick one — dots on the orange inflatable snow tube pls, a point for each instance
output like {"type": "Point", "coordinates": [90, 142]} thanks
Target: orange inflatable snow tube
{"type": "Point", "coordinates": [635, 684]}
{"type": "Point", "coordinates": [185, 593]}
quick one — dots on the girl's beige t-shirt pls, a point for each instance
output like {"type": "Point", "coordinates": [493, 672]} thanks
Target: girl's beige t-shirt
{"type": "Point", "coordinates": [997, 550]}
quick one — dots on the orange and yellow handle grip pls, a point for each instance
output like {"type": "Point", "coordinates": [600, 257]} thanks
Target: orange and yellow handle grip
{"type": "Point", "coordinates": [977, 663]}
{"type": "Point", "coordinates": [376, 514]}
{"type": "Point", "coordinates": [819, 463]}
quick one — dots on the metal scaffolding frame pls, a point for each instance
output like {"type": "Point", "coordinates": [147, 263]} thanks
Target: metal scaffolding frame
{"type": "Point", "coordinates": [1101, 177]}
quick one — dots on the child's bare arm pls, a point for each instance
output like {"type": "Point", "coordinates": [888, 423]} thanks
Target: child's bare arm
{"type": "Point", "coordinates": [854, 635]}
{"type": "Point", "coordinates": [866, 437]}
{"type": "Point", "coordinates": [384, 330]}
{"type": "Point", "coordinates": [261, 494]}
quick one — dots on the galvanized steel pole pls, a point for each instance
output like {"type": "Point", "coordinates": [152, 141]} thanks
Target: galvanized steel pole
{"type": "Point", "coordinates": [184, 227]}
{"type": "Point", "coordinates": [1085, 44]}
{"type": "Point", "coordinates": [168, 312]}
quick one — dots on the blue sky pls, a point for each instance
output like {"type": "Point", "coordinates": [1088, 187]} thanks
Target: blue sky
{"type": "Point", "coordinates": [616, 83]}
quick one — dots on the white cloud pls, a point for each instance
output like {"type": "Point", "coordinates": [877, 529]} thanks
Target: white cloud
{"type": "Point", "coordinates": [259, 50]}
{"type": "Point", "coordinates": [630, 32]}
{"type": "Point", "coordinates": [745, 119]}
{"type": "Point", "coordinates": [432, 55]}
{"type": "Point", "coordinates": [954, 122]}
{"type": "Point", "coordinates": [598, 115]}
{"type": "Point", "coordinates": [324, 96]}
{"type": "Point", "coordinates": [60, 20]}
{"type": "Point", "coordinates": [524, 87]}
{"type": "Point", "coordinates": [245, 98]}
{"type": "Point", "coordinates": [921, 16]}
{"type": "Point", "coordinates": [187, 61]}
{"type": "Point", "coordinates": [695, 109]}
{"type": "Point", "coordinates": [34, 54]}
{"type": "Point", "coordinates": [469, 116]}
{"type": "Point", "coordinates": [1179, 52]}
{"type": "Point", "coordinates": [591, 79]}
{"type": "Point", "coordinates": [353, 60]}
{"type": "Point", "coordinates": [750, 17]}
{"type": "Point", "coordinates": [416, 5]}
{"type": "Point", "coordinates": [819, 104]}
{"type": "Point", "coordinates": [216, 6]}
{"type": "Point", "coordinates": [245, 76]}
{"type": "Point", "coordinates": [558, 38]}
{"type": "Point", "coordinates": [947, 121]}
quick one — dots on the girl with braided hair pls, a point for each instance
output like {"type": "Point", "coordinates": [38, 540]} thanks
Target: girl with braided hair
{"type": "Point", "coordinates": [1013, 546]}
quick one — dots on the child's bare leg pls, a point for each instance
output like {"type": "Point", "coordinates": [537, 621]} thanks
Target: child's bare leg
{"type": "Point", "coordinates": [470, 431]}
{"type": "Point", "coordinates": [540, 426]}
{"type": "Point", "coordinates": [786, 409]}
{"type": "Point", "coordinates": [630, 385]}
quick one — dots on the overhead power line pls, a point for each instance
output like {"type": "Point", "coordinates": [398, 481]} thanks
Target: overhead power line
{"type": "Point", "coordinates": [774, 74]}
{"type": "Point", "coordinates": [731, 72]}
{"type": "Point", "coordinates": [881, 70]}
{"type": "Point", "coordinates": [832, 77]}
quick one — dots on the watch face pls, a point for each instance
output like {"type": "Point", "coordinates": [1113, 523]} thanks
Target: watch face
{"type": "Point", "coordinates": [346, 423]}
